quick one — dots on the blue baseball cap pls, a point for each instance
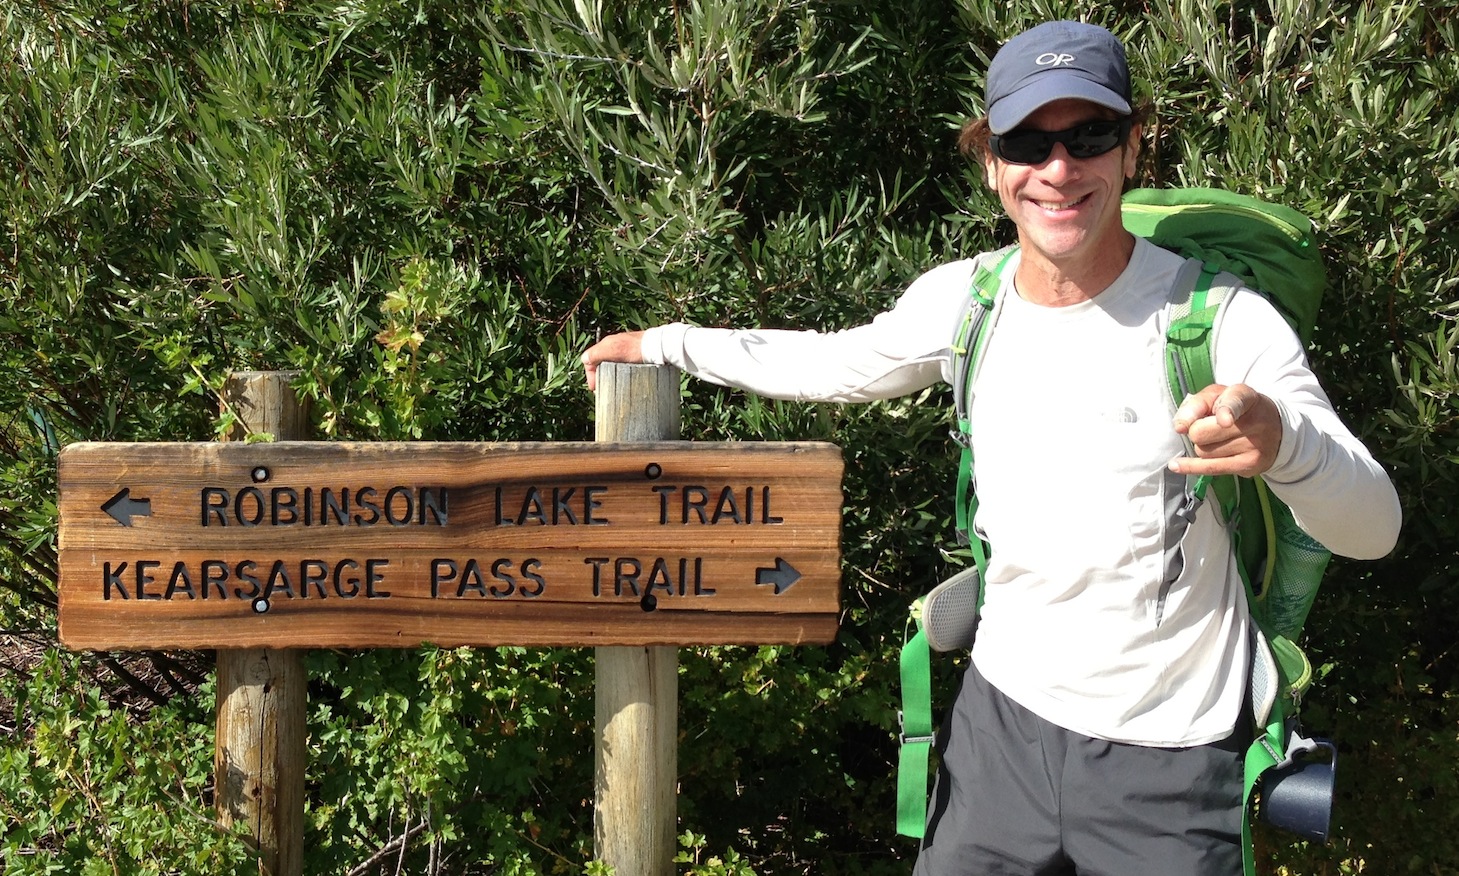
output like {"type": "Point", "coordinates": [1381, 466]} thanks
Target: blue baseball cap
{"type": "Point", "coordinates": [1054, 61]}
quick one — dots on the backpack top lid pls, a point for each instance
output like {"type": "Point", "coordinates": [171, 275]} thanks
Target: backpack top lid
{"type": "Point", "coordinates": [1271, 247]}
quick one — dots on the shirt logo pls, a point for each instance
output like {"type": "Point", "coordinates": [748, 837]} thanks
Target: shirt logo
{"type": "Point", "coordinates": [1123, 416]}
{"type": "Point", "coordinates": [1054, 59]}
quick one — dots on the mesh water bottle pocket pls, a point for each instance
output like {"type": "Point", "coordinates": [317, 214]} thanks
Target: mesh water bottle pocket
{"type": "Point", "coordinates": [1300, 562]}
{"type": "Point", "coordinates": [950, 612]}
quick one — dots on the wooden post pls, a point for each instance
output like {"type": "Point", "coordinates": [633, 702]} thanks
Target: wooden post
{"type": "Point", "coordinates": [259, 759]}
{"type": "Point", "coordinates": [636, 689]}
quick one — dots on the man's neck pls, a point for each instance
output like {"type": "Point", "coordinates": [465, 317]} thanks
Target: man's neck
{"type": "Point", "coordinates": [1078, 278]}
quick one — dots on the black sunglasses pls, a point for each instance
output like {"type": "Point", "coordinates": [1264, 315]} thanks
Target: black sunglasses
{"type": "Point", "coordinates": [1021, 146]}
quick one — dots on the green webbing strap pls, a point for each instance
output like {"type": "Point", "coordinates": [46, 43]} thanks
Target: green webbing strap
{"type": "Point", "coordinates": [916, 736]}
{"type": "Point", "coordinates": [1264, 753]}
{"type": "Point", "coordinates": [1269, 527]}
{"type": "Point", "coordinates": [967, 501]}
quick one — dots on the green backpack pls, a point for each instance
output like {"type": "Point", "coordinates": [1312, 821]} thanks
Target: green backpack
{"type": "Point", "coordinates": [1228, 240]}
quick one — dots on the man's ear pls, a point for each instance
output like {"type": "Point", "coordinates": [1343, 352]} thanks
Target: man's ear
{"type": "Point", "coordinates": [1132, 152]}
{"type": "Point", "coordinates": [990, 169]}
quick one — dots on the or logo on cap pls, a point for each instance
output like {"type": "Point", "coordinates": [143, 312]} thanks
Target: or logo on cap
{"type": "Point", "coordinates": [1054, 59]}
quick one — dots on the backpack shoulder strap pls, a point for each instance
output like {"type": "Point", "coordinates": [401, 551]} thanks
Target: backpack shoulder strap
{"type": "Point", "coordinates": [973, 328]}
{"type": "Point", "coordinates": [1197, 302]}
{"type": "Point", "coordinates": [1192, 311]}
{"type": "Point", "coordinates": [970, 333]}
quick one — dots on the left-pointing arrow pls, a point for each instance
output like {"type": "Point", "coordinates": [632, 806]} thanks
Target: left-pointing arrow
{"type": "Point", "coordinates": [122, 507]}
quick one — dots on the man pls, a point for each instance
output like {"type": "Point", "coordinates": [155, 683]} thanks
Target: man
{"type": "Point", "coordinates": [1099, 728]}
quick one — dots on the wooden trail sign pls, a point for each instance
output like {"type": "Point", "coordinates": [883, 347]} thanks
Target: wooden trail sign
{"type": "Point", "coordinates": [327, 544]}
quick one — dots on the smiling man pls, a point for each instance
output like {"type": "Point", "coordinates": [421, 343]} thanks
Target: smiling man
{"type": "Point", "coordinates": [1099, 728]}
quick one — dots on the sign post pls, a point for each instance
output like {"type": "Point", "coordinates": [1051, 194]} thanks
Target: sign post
{"type": "Point", "coordinates": [260, 750]}
{"type": "Point", "coordinates": [636, 690]}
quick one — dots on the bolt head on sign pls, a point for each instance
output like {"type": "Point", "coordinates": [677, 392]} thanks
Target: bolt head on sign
{"type": "Point", "coordinates": [331, 544]}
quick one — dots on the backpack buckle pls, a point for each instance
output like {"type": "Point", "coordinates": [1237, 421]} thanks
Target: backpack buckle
{"type": "Point", "coordinates": [1189, 507]}
{"type": "Point", "coordinates": [903, 738]}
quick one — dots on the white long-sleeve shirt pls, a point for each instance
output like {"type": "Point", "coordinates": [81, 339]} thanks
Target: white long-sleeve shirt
{"type": "Point", "coordinates": [1102, 614]}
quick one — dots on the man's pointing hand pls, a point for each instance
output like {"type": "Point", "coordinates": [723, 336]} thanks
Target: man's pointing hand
{"type": "Point", "coordinates": [1234, 430]}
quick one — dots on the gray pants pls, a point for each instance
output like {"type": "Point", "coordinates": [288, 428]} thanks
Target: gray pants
{"type": "Point", "coordinates": [1018, 795]}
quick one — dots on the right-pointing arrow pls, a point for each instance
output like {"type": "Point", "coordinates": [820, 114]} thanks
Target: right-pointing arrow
{"type": "Point", "coordinates": [783, 575]}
